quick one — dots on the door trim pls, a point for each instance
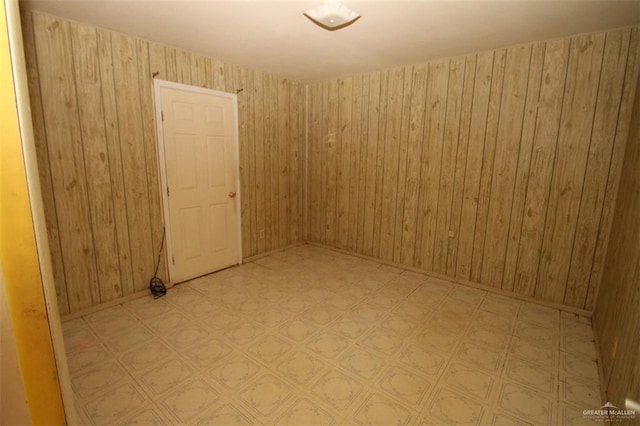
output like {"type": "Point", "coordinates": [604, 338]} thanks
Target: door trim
{"type": "Point", "coordinates": [157, 86]}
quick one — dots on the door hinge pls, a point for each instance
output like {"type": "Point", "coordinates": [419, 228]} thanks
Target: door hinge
{"type": "Point", "coordinates": [162, 115]}
{"type": "Point", "coordinates": [167, 191]}
{"type": "Point", "coordinates": [173, 260]}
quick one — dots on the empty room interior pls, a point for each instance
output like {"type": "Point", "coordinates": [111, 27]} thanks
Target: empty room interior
{"type": "Point", "coordinates": [245, 212]}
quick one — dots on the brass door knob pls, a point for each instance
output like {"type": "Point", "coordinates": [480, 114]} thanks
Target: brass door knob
{"type": "Point", "coordinates": [232, 194]}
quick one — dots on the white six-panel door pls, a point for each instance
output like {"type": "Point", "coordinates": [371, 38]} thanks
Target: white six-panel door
{"type": "Point", "coordinates": [199, 144]}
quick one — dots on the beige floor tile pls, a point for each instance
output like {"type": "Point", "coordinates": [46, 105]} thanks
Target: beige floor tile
{"type": "Point", "coordinates": [189, 400]}
{"type": "Point", "coordinates": [405, 386]}
{"type": "Point", "coordinates": [362, 363]}
{"type": "Point", "coordinates": [481, 357]}
{"type": "Point", "coordinates": [544, 356]}
{"type": "Point", "coordinates": [469, 381]}
{"type": "Point", "coordinates": [225, 414]}
{"type": "Point", "coordinates": [301, 367]}
{"type": "Point", "coordinates": [166, 376]}
{"type": "Point", "coordinates": [310, 336]}
{"type": "Point", "coordinates": [526, 404]}
{"type": "Point", "coordinates": [327, 345]}
{"type": "Point", "coordinates": [580, 393]}
{"type": "Point", "coordinates": [128, 338]}
{"type": "Point", "coordinates": [578, 367]}
{"type": "Point", "coordinates": [269, 348]}
{"type": "Point", "coordinates": [148, 416]}
{"type": "Point", "coordinates": [423, 360]}
{"type": "Point", "coordinates": [298, 330]}
{"type": "Point", "coordinates": [98, 379]}
{"type": "Point", "coordinates": [244, 333]}
{"type": "Point", "coordinates": [380, 410]}
{"type": "Point", "coordinates": [207, 354]}
{"type": "Point", "coordinates": [337, 390]}
{"type": "Point", "coordinates": [381, 341]}
{"type": "Point", "coordinates": [145, 356]}
{"type": "Point", "coordinates": [451, 408]}
{"type": "Point", "coordinates": [115, 404]}
{"type": "Point", "coordinates": [87, 356]}
{"type": "Point", "coordinates": [532, 376]}
{"type": "Point", "coordinates": [235, 371]}
{"type": "Point", "coordinates": [305, 412]}
{"type": "Point", "coordinates": [265, 395]}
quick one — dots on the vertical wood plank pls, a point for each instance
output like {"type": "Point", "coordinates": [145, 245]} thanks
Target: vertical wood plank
{"type": "Point", "coordinates": [115, 160]}
{"type": "Point", "coordinates": [524, 164]}
{"type": "Point", "coordinates": [354, 163]}
{"type": "Point", "coordinates": [617, 157]}
{"type": "Point", "coordinates": [60, 108]}
{"type": "Point", "coordinates": [261, 174]}
{"type": "Point", "coordinates": [542, 160]}
{"type": "Point", "coordinates": [402, 162]}
{"type": "Point", "coordinates": [284, 171]}
{"type": "Point", "coordinates": [380, 161]}
{"type": "Point", "coordinates": [484, 193]}
{"type": "Point", "coordinates": [437, 87]}
{"type": "Point", "coordinates": [364, 155]}
{"type": "Point", "coordinates": [585, 61]}
{"type": "Point", "coordinates": [466, 228]}
{"type": "Point", "coordinates": [393, 120]}
{"type": "Point", "coordinates": [93, 133]}
{"type": "Point", "coordinates": [343, 154]}
{"type": "Point", "coordinates": [127, 95]}
{"type": "Point", "coordinates": [158, 247]}
{"type": "Point", "coordinates": [332, 152]}
{"type": "Point", "coordinates": [505, 161]}
{"type": "Point", "coordinates": [616, 52]}
{"type": "Point", "coordinates": [372, 155]}
{"type": "Point", "coordinates": [44, 168]}
{"type": "Point", "coordinates": [414, 154]}
{"type": "Point", "coordinates": [464, 136]}
{"type": "Point", "coordinates": [446, 179]}
{"type": "Point", "coordinates": [183, 66]}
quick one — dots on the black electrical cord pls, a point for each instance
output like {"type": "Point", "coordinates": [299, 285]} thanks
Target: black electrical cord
{"type": "Point", "coordinates": [157, 287]}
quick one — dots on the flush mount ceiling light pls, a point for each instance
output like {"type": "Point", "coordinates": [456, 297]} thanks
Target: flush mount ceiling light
{"type": "Point", "coordinates": [332, 15]}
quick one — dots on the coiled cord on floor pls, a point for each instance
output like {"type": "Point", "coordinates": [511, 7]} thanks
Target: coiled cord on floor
{"type": "Point", "coordinates": [157, 287]}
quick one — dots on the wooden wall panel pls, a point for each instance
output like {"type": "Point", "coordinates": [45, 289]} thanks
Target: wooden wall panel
{"type": "Point", "coordinates": [617, 311]}
{"type": "Point", "coordinates": [95, 128]}
{"type": "Point", "coordinates": [499, 167]}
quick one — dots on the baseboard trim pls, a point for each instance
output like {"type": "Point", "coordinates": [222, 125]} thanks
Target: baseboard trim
{"type": "Point", "coordinates": [274, 251]}
{"type": "Point", "coordinates": [466, 283]}
{"type": "Point", "coordinates": [110, 303]}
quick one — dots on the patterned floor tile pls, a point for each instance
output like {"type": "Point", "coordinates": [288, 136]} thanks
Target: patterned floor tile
{"type": "Point", "coordinates": [115, 404]}
{"type": "Point", "coordinates": [166, 376]}
{"type": "Point", "coordinates": [189, 400]}
{"type": "Point", "coordinates": [207, 354]}
{"type": "Point", "coordinates": [311, 336]}
{"type": "Point", "coordinates": [469, 381]}
{"type": "Point", "coordinates": [448, 407]}
{"type": "Point", "coordinates": [235, 371]}
{"type": "Point", "coordinates": [265, 395]}
{"type": "Point", "coordinates": [305, 412]}
{"type": "Point", "coordinates": [301, 367]}
{"type": "Point", "coordinates": [269, 348]}
{"type": "Point", "coordinates": [337, 390]}
{"type": "Point", "coordinates": [380, 410]}
{"type": "Point", "coordinates": [405, 386]}
{"type": "Point", "coordinates": [526, 404]}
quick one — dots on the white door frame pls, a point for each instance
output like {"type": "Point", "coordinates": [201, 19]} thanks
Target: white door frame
{"type": "Point", "coordinates": [157, 86]}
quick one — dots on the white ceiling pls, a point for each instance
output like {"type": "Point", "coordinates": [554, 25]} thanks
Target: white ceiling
{"type": "Point", "coordinates": [274, 36]}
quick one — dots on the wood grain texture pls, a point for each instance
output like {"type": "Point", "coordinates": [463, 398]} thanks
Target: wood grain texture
{"type": "Point", "coordinates": [95, 128]}
{"type": "Point", "coordinates": [617, 311]}
{"type": "Point", "coordinates": [498, 167]}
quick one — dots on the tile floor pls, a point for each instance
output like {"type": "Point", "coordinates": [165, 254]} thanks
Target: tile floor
{"type": "Point", "coordinates": [309, 336]}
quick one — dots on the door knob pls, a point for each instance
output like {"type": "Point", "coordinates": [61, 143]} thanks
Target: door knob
{"type": "Point", "coordinates": [232, 194]}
